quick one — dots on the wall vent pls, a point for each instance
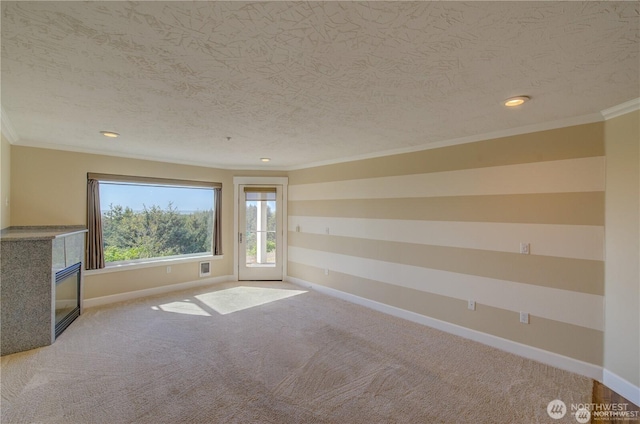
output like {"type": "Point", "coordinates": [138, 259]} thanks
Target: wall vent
{"type": "Point", "coordinates": [205, 269]}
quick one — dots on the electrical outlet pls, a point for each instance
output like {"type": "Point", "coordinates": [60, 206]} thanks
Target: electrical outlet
{"type": "Point", "coordinates": [326, 271]}
{"type": "Point", "coordinates": [168, 270]}
{"type": "Point", "coordinates": [524, 317]}
{"type": "Point", "coordinates": [471, 305]}
{"type": "Point", "coordinates": [524, 248]}
{"type": "Point", "coordinates": [326, 230]}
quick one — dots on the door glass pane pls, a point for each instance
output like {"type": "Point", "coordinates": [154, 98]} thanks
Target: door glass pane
{"type": "Point", "coordinates": [260, 227]}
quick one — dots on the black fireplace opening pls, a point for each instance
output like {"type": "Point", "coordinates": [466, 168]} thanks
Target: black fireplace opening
{"type": "Point", "coordinates": [67, 297]}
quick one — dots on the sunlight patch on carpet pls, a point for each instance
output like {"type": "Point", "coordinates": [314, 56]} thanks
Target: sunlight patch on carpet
{"type": "Point", "coordinates": [184, 307]}
{"type": "Point", "coordinates": [227, 301]}
{"type": "Point", "coordinates": [240, 298]}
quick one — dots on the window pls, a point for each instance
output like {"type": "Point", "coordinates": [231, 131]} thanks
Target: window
{"type": "Point", "coordinates": [136, 219]}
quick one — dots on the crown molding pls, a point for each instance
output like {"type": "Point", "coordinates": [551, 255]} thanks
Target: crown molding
{"type": "Point", "coordinates": [7, 128]}
{"type": "Point", "coordinates": [630, 106]}
{"type": "Point", "coordinates": [621, 109]}
{"type": "Point", "coordinates": [606, 114]}
{"type": "Point", "coordinates": [544, 126]}
{"type": "Point", "coordinates": [102, 152]}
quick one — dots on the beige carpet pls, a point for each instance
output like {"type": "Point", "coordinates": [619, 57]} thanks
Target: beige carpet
{"type": "Point", "coordinates": [271, 353]}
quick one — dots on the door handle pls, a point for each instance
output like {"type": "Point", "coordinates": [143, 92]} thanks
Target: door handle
{"type": "Point", "coordinates": [239, 237]}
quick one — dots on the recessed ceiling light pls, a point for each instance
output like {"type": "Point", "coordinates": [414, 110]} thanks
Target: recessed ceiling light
{"type": "Point", "coordinates": [109, 134]}
{"type": "Point", "coordinates": [265, 159]}
{"type": "Point", "coordinates": [515, 101]}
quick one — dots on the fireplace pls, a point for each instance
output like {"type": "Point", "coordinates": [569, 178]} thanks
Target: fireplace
{"type": "Point", "coordinates": [40, 295]}
{"type": "Point", "coordinates": [67, 297]}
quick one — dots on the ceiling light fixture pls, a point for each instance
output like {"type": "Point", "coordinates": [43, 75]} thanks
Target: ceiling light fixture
{"type": "Point", "coordinates": [265, 159]}
{"type": "Point", "coordinates": [516, 101]}
{"type": "Point", "coordinates": [109, 134]}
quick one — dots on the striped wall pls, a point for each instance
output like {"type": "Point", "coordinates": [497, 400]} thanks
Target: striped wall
{"type": "Point", "coordinates": [427, 231]}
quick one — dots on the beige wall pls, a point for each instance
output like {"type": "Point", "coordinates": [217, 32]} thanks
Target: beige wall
{"type": "Point", "coordinates": [5, 183]}
{"type": "Point", "coordinates": [428, 231]}
{"type": "Point", "coordinates": [49, 188]}
{"type": "Point", "coordinates": [622, 273]}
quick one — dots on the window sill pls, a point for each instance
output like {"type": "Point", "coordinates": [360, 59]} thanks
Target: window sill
{"type": "Point", "coordinates": [151, 263]}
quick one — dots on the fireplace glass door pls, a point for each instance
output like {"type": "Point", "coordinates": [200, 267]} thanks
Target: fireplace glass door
{"type": "Point", "coordinates": [67, 297]}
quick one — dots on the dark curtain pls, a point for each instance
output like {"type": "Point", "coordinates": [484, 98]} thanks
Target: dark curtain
{"type": "Point", "coordinates": [95, 252]}
{"type": "Point", "coordinates": [217, 222]}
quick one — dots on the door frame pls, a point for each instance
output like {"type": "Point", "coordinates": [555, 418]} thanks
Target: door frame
{"type": "Point", "coordinates": [264, 181]}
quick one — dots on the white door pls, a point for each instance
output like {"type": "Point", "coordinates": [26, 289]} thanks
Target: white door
{"type": "Point", "coordinates": [260, 232]}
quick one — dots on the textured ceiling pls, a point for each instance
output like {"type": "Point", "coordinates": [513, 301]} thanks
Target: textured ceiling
{"type": "Point", "coordinates": [304, 83]}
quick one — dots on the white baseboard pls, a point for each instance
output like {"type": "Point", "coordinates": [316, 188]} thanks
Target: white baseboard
{"type": "Point", "coordinates": [556, 360]}
{"type": "Point", "coordinates": [621, 386]}
{"type": "Point", "coordinates": [121, 297]}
